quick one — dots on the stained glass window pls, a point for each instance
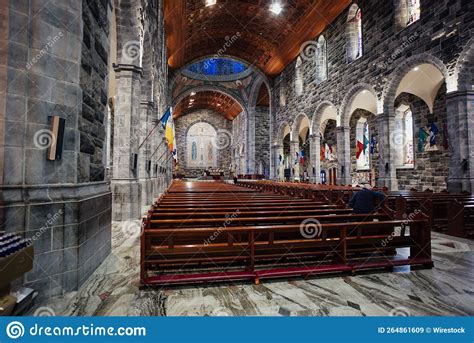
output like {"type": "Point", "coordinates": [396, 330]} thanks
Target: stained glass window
{"type": "Point", "coordinates": [414, 10]}
{"type": "Point", "coordinates": [217, 66]}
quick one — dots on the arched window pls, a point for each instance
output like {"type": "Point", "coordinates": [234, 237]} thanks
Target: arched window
{"type": "Point", "coordinates": [354, 33]}
{"type": "Point", "coordinates": [299, 77]}
{"type": "Point", "coordinates": [282, 93]}
{"type": "Point", "coordinates": [363, 144]}
{"type": "Point", "coordinates": [403, 136]}
{"type": "Point", "coordinates": [406, 13]}
{"type": "Point", "coordinates": [321, 60]}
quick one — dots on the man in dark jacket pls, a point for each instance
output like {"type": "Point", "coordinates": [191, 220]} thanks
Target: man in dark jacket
{"type": "Point", "coordinates": [363, 201]}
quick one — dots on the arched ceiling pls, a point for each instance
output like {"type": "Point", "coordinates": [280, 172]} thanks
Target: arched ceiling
{"type": "Point", "coordinates": [245, 29]}
{"type": "Point", "coordinates": [215, 101]}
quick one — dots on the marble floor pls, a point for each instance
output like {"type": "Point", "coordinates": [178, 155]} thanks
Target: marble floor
{"type": "Point", "coordinates": [113, 290]}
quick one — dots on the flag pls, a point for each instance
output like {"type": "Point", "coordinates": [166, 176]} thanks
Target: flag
{"type": "Point", "coordinates": [175, 146]}
{"type": "Point", "coordinates": [433, 134]}
{"type": "Point", "coordinates": [322, 154]}
{"type": "Point", "coordinates": [167, 121]}
{"type": "Point", "coordinates": [422, 136]}
{"type": "Point", "coordinates": [359, 149]}
{"type": "Point", "coordinates": [302, 156]}
{"type": "Point", "coordinates": [373, 145]}
{"type": "Point", "coordinates": [328, 152]}
{"type": "Point", "coordinates": [366, 143]}
{"type": "Point", "coordinates": [166, 117]}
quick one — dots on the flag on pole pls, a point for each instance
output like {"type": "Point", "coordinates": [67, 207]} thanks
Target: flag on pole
{"type": "Point", "coordinates": [166, 117]}
{"type": "Point", "coordinates": [302, 156]}
{"type": "Point", "coordinates": [360, 149]}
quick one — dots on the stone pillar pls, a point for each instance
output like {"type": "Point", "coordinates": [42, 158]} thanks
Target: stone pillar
{"type": "Point", "coordinates": [251, 167]}
{"type": "Point", "coordinates": [460, 113]}
{"type": "Point", "coordinates": [277, 150]}
{"type": "Point", "coordinates": [386, 165]}
{"type": "Point", "coordinates": [294, 149]}
{"type": "Point", "coordinates": [144, 174]}
{"type": "Point", "coordinates": [316, 157]}
{"type": "Point", "coordinates": [125, 185]}
{"type": "Point", "coordinates": [343, 136]}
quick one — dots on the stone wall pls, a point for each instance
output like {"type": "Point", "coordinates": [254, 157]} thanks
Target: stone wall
{"type": "Point", "coordinates": [439, 38]}
{"type": "Point", "coordinates": [223, 128]}
{"type": "Point", "coordinates": [63, 205]}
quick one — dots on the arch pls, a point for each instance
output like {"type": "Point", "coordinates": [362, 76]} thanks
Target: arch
{"type": "Point", "coordinates": [206, 144]}
{"type": "Point", "coordinates": [254, 91]}
{"type": "Point", "coordinates": [361, 96]}
{"type": "Point", "coordinates": [219, 89]}
{"type": "Point", "coordinates": [464, 69]}
{"type": "Point", "coordinates": [390, 92]}
{"type": "Point", "coordinates": [354, 33]}
{"type": "Point", "coordinates": [325, 110]}
{"type": "Point", "coordinates": [283, 131]}
{"type": "Point", "coordinates": [297, 125]}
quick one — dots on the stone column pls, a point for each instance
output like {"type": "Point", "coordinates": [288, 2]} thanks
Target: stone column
{"type": "Point", "coordinates": [146, 125]}
{"type": "Point", "coordinates": [251, 167]}
{"type": "Point", "coordinates": [343, 136]}
{"type": "Point", "coordinates": [460, 110]}
{"type": "Point", "coordinates": [295, 149]}
{"type": "Point", "coordinates": [277, 150]}
{"type": "Point", "coordinates": [386, 165]}
{"type": "Point", "coordinates": [316, 157]}
{"type": "Point", "coordinates": [125, 185]}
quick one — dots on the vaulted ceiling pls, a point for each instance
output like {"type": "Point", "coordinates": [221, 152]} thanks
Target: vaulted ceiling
{"type": "Point", "coordinates": [215, 101]}
{"type": "Point", "coordinates": [264, 39]}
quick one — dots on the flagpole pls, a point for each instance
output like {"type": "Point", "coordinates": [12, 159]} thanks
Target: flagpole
{"type": "Point", "coordinates": [148, 136]}
{"type": "Point", "coordinates": [156, 150]}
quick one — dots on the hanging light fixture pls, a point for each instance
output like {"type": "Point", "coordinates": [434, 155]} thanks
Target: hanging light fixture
{"type": "Point", "coordinates": [276, 7]}
{"type": "Point", "coordinates": [210, 2]}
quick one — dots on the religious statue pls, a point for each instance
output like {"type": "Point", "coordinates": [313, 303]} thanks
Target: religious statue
{"type": "Point", "coordinates": [194, 151]}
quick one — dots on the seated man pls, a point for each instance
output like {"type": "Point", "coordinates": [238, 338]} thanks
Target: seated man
{"type": "Point", "coordinates": [363, 201]}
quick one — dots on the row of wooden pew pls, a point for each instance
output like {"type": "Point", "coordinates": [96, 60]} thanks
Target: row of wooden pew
{"type": "Point", "coordinates": [450, 213]}
{"type": "Point", "coordinates": [213, 231]}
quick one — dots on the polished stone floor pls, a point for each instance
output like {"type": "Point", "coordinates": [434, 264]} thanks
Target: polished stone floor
{"type": "Point", "coordinates": [113, 290]}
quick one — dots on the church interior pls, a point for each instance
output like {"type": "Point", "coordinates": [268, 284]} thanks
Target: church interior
{"type": "Point", "coordinates": [209, 157]}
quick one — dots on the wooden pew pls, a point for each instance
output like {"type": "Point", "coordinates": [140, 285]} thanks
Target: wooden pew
{"type": "Point", "coordinates": [208, 232]}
